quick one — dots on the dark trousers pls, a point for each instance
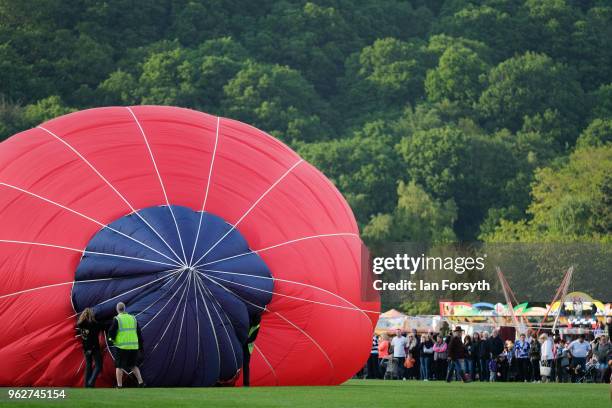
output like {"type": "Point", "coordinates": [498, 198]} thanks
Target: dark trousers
{"type": "Point", "coordinates": [246, 361]}
{"type": "Point", "coordinates": [399, 367]}
{"type": "Point", "coordinates": [523, 369]}
{"type": "Point", "coordinates": [560, 371]}
{"type": "Point", "coordinates": [577, 361]}
{"type": "Point", "coordinates": [475, 368]}
{"type": "Point", "coordinates": [535, 370]}
{"type": "Point", "coordinates": [484, 369]}
{"type": "Point", "coordinates": [440, 369]}
{"type": "Point", "coordinates": [92, 358]}
{"type": "Point", "coordinates": [415, 371]}
{"type": "Point", "coordinates": [373, 367]}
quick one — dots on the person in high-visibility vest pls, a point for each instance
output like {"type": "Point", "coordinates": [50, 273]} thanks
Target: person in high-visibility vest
{"type": "Point", "coordinates": [125, 335]}
{"type": "Point", "coordinates": [247, 348]}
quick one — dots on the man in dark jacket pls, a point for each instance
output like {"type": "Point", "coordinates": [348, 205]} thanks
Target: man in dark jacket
{"type": "Point", "coordinates": [456, 356]}
{"type": "Point", "coordinates": [247, 348]}
{"type": "Point", "coordinates": [484, 353]}
{"type": "Point", "coordinates": [496, 344]}
{"type": "Point", "coordinates": [496, 347]}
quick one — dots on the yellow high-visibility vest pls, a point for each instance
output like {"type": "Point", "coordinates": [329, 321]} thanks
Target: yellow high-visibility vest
{"type": "Point", "coordinates": [251, 331]}
{"type": "Point", "coordinates": [127, 337]}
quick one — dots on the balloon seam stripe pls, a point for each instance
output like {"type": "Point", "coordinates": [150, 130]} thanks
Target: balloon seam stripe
{"type": "Point", "coordinates": [210, 173]}
{"type": "Point", "coordinates": [340, 234]}
{"type": "Point", "coordinates": [267, 363]}
{"type": "Point", "coordinates": [166, 304]}
{"type": "Point", "coordinates": [187, 285]}
{"type": "Point", "coordinates": [214, 300]}
{"type": "Point", "coordinates": [182, 320]}
{"type": "Point", "coordinates": [296, 298]}
{"type": "Point", "coordinates": [265, 193]}
{"type": "Point", "coordinates": [161, 183]}
{"type": "Point", "coordinates": [296, 283]}
{"type": "Point", "coordinates": [212, 325]}
{"type": "Point", "coordinates": [111, 186]}
{"type": "Point", "coordinates": [85, 217]}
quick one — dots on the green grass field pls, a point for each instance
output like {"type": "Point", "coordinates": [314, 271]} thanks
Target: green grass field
{"type": "Point", "coordinates": [354, 393]}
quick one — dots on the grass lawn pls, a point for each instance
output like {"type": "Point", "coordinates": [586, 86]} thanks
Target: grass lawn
{"type": "Point", "coordinates": [354, 393]}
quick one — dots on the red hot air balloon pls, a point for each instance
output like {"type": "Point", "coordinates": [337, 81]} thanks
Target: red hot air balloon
{"type": "Point", "coordinates": [198, 224]}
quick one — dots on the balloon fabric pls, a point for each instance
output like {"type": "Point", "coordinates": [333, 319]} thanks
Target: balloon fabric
{"type": "Point", "coordinates": [199, 224]}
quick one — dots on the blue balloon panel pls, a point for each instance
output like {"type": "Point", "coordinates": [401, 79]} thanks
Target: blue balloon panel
{"type": "Point", "coordinates": [193, 293]}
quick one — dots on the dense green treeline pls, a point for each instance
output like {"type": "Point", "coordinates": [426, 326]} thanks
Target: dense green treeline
{"type": "Point", "coordinates": [439, 120]}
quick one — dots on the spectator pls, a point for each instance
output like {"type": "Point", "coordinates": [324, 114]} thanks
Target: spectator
{"type": "Point", "coordinates": [602, 352]}
{"type": "Point", "coordinates": [501, 367]}
{"type": "Point", "coordinates": [534, 357]}
{"type": "Point", "coordinates": [475, 374]}
{"type": "Point", "coordinates": [456, 356]}
{"type": "Point", "coordinates": [469, 352]}
{"type": "Point", "coordinates": [426, 353]}
{"type": "Point", "coordinates": [599, 329]}
{"type": "Point", "coordinates": [399, 354]}
{"type": "Point", "coordinates": [521, 352]}
{"type": "Point", "coordinates": [485, 357]}
{"type": "Point", "coordinates": [511, 369]}
{"type": "Point", "coordinates": [546, 357]}
{"type": "Point", "coordinates": [579, 350]}
{"type": "Point", "coordinates": [412, 348]}
{"type": "Point", "coordinates": [607, 376]}
{"type": "Point", "coordinates": [562, 361]}
{"type": "Point", "coordinates": [416, 353]}
{"type": "Point", "coordinates": [497, 344]}
{"type": "Point", "coordinates": [492, 369]}
{"type": "Point", "coordinates": [440, 349]}
{"type": "Point", "coordinates": [383, 354]}
{"type": "Point", "coordinates": [496, 347]}
{"type": "Point", "coordinates": [372, 368]}
{"type": "Point", "coordinates": [89, 331]}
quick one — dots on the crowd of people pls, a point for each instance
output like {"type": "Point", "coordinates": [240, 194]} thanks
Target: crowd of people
{"type": "Point", "coordinates": [482, 356]}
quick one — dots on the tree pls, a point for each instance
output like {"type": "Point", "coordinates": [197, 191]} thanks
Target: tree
{"type": "Point", "coordinates": [417, 218]}
{"type": "Point", "coordinates": [306, 36]}
{"type": "Point", "coordinates": [44, 110]}
{"type": "Point", "coordinates": [463, 164]}
{"type": "Point", "coordinates": [15, 118]}
{"type": "Point", "coordinates": [278, 100]}
{"type": "Point", "coordinates": [493, 26]}
{"type": "Point", "coordinates": [589, 44]}
{"type": "Point", "coordinates": [119, 88]}
{"type": "Point", "coordinates": [365, 168]}
{"type": "Point", "coordinates": [11, 118]}
{"type": "Point", "coordinates": [598, 133]}
{"type": "Point", "coordinates": [602, 102]}
{"type": "Point", "coordinates": [457, 76]}
{"type": "Point", "coordinates": [433, 158]}
{"type": "Point", "coordinates": [571, 202]}
{"type": "Point", "coordinates": [386, 75]}
{"type": "Point", "coordinates": [412, 308]}
{"type": "Point", "coordinates": [530, 84]}
{"type": "Point", "coordinates": [549, 26]}
{"type": "Point", "coordinates": [173, 75]}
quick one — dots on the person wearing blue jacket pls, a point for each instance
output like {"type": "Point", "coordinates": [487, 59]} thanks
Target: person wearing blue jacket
{"type": "Point", "coordinates": [521, 353]}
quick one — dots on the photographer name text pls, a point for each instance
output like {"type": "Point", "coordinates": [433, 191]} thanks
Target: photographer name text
{"type": "Point", "coordinates": [421, 285]}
